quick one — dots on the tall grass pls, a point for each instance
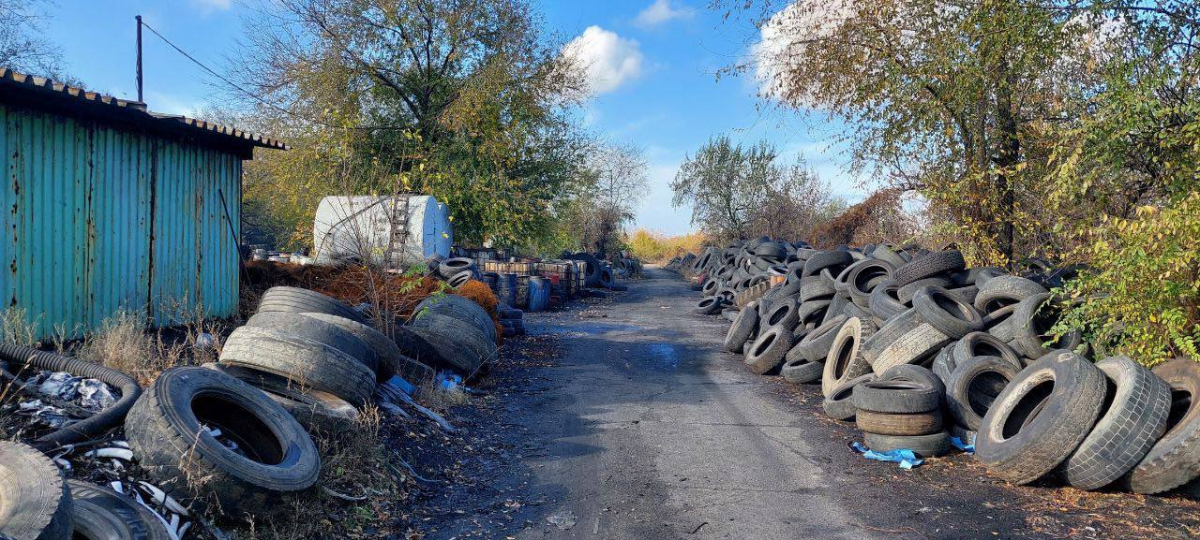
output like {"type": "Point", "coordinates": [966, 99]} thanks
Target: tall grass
{"type": "Point", "coordinates": [657, 247]}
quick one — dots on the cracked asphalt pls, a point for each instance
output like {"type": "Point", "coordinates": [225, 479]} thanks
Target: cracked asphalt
{"type": "Point", "coordinates": [640, 427]}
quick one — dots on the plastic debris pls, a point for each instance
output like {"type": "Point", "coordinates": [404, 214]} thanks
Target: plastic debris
{"type": "Point", "coordinates": [906, 458]}
{"type": "Point", "coordinates": [94, 395]}
{"type": "Point", "coordinates": [448, 381]}
{"type": "Point", "coordinates": [50, 416]}
{"type": "Point", "coordinates": [60, 385]}
{"type": "Point", "coordinates": [965, 447]}
{"type": "Point", "coordinates": [402, 384]}
{"type": "Point", "coordinates": [205, 341]}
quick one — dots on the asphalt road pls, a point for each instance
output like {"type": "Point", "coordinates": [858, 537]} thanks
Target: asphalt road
{"type": "Point", "coordinates": [624, 420]}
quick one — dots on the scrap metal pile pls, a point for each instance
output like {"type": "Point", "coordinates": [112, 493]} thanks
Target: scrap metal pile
{"type": "Point", "coordinates": [922, 352]}
{"type": "Point", "coordinates": [232, 435]}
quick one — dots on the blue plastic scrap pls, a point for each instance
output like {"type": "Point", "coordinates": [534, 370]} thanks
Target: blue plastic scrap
{"type": "Point", "coordinates": [402, 384]}
{"type": "Point", "coordinates": [906, 458]}
{"type": "Point", "coordinates": [959, 444]}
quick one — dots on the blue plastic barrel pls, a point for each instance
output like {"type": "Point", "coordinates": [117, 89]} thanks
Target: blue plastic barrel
{"type": "Point", "coordinates": [539, 294]}
{"type": "Point", "coordinates": [506, 289]}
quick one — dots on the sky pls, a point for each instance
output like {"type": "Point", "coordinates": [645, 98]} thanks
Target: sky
{"type": "Point", "coordinates": [652, 69]}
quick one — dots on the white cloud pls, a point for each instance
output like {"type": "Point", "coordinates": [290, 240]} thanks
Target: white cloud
{"type": "Point", "coordinates": [782, 39]}
{"type": "Point", "coordinates": [607, 60]}
{"type": "Point", "coordinates": [212, 5]}
{"type": "Point", "coordinates": [660, 12]}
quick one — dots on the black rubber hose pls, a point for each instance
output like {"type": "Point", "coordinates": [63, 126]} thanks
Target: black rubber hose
{"type": "Point", "coordinates": [99, 422]}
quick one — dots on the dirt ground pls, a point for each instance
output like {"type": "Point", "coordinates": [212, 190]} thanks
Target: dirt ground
{"type": "Point", "coordinates": [620, 418]}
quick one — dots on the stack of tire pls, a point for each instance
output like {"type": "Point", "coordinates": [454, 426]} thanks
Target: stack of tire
{"type": "Point", "coordinates": [512, 321]}
{"type": "Point", "coordinates": [597, 273]}
{"type": "Point", "coordinates": [461, 333]}
{"type": "Point", "coordinates": [455, 271]}
{"type": "Point", "coordinates": [979, 338]}
{"type": "Point", "coordinates": [741, 266]}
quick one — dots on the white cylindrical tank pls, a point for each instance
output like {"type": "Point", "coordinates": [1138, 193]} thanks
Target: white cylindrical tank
{"type": "Point", "coordinates": [383, 229]}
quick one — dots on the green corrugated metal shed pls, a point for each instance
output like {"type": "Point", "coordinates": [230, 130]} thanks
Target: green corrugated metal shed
{"type": "Point", "coordinates": [109, 207]}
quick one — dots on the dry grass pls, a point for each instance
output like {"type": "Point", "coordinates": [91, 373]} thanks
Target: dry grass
{"type": "Point", "coordinates": [433, 396]}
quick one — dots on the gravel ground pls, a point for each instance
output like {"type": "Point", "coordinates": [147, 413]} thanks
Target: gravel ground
{"type": "Point", "coordinates": [621, 419]}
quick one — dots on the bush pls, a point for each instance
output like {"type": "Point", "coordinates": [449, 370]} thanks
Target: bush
{"type": "Point", "coordinates": [655, 247]}
{"type": "Point", "coordinates": [1142, 293]}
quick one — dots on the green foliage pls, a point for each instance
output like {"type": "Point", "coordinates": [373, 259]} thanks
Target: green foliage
{"type": "Point", "coordinates": [654, 247]}
{"type": "Point", "coordinates": [1143, 292]}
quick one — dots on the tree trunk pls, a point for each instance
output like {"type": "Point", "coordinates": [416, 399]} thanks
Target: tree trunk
{"type": "Point", "coordinates": [1009, 155]}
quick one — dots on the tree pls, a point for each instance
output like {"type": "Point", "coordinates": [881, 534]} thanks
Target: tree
{"type": "Point", "coordinates": [460, 99]}
{"type": "Point", "coordinates": [738, 191]}
{"type": "Point", "coordinates": [612, 182]}
{"type": "Point", "coordinates": [22, 46]}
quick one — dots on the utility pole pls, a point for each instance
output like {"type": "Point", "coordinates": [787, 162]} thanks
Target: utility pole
{"type": "Point", "coordinates": [139, 58]}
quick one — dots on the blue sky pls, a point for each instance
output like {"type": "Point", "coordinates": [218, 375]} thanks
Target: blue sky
{"type": "Point", "coordinates": [654, 76]}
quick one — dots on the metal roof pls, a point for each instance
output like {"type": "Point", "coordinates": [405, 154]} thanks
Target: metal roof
{"type": "Point", "coordinates": [41, 91]}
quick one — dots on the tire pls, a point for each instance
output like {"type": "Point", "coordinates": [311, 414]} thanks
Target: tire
{"type": "Point", "coordinates": [1041, 417]}
{"type": "Point", "coordinates": [886, 254]}
{"type": "Point", "coordinates": [164, 430]}
{"type": "Point", "coordinates": [966, 294]}
{"type": "Point", "coordinates": [899, 424]}
{"type": "Point", "coordinates": [1174, 460]}
{"type": "Point", "coordinates": [825, 260]}
{"type": "Point", "coordinates": [1005, 290]}
{"type": "Point", "coordinates": [460, 331]}
{"type": "Point", "coordinates": [767, 351]}
{"type": "Point", "coordinates": [913, 373]}
{"type": "Point", "coordinates": [297, 300]}
{"type": "Point", "coordinates": [933, 445]}
{"type": "Point", "coordinates": [844, 360]}
{"type": "Point", "coordinates": [1000, 323]}
{"type": "Point", "coordinates": [897, 397]}
{"type": "Point", "coordinates": [816, 344]}
{"type": "Point", "coordinates": [100, 513]}
{"type": "Point", "coordinates": [906, 293]}
{"type": "Point", "coordinates": [314, 409]}
{"type": "Point", "coordinates": [839, 405]}
{"type": "Point", "coordinates": [782, 314]}
{"type": "Point", "coordinates": [35, 503]}
{"type": "Point", "coordinates": [461, 308]}
{"type": "Point", "coordinates": [945, 313]}
{"type": "Point", "coordinates": [944, 363]}
{"type": "Point", "coordinates": [454, 266]}
{"type": "Point", "coordinates": [1136, 417]}
{"type": "Point", "coordinates": [884, 302]}
{"type": "Point", "coordinates": [708, 306]}
{"type": "Point", "coordinates": [977, 376]}
{"type": "Point", "coordinates": [742, 328]}
{"type": "Point", "coordinates": [389, 355]}
{"type": "Point", "coordinates": [446, 351]}
{"type": "Point", "coordinates": [307, 363]}
{"type": "Point", "coordinates": [812, 312]}
{"type": "Point", "coordinates": [865, 278]}
{"type": "Point", "coordinates": [321, 331]}
{"type": "Point", "coordinates": [930, 265]}
{"type": "Point", "coordinates": [837, 307]}
{"type": "Point", "coordinates": [814, 288]}
{"type": "Point", "coordinates": [905, 339]}
{"type": "Point", "coordinates": [982, 344]}
{"type": "Point", "coordinates": [801, 371]}
{"type": "Point", "coordinates": [1031, 323]}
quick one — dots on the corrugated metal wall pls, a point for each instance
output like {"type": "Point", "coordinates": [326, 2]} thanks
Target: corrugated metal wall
{"type": "Point", "coordinates": [97, 219]}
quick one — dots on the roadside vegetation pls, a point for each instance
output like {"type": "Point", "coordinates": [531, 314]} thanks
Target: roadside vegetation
{"type": "Point", "coordinates": [655, 247]}
{"type": "Point", "coordinates": [1063, 130]}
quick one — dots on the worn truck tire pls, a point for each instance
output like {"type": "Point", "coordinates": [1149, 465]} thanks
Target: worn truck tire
{"type": "Point", "coordinates": [909, 372]}
{"type": "Point", "coordinates": [314, 409]}
{"type": "Point", "coordinates": [929, 265]}
{"type": "Point", "coordinates": [454, 266]}
{"type": "Point", "coordinates": [835, 260]}
{"type": "Point", "coordinates": [884, 302]}
{"type": "Point", "coordinates": [1174, 460]}
{"type": "Point", "coordinates": [982, 344]}
{"type": "Point", "coordinates": [946, 313]}
{"type": "Point", "coordinates": [1031, 326]}
{"type": "Point", "coordinates": [767, 351]}
{"type": "Point", "coordinates": [164, 430]}
{"type": "Point", "coordinates": [815, 288]}
{"type": "Point", "coordinates": [865, 278]}
{"type": "Point", "coordinates": [897, 397]}
{"type": "Point", "coordinates": [899, 424]}
{"type": "Point", "coordinates": [784, 313]}
{"type": "Point", "coordinates": [801, 371]}
{"type": "Point", "coordinates": [389, 355]}
{"type": "Point", "coordinates": [100, 513]}
{"type": "Point", "coordinates": [307, 363]}
{"type": "Point", "coordinates": [980, 375]}
{"type": "Point", "coordinates": [35, 503]}
{"type": "Point", "coordinates": [816, 344]}
{"type": "Point", "coordinates": [297, 300]}
{"type": "Point", "coordinates": [1001, 291]}
{"type": "Point", "coordinates": [905, 339]}
{"type": "Point", "coordinates": [839, 404]}
{"type": "Point", "coordinates": [447, 351]}
{"type": "Point", "coordinates": [844, 361]}
{"type": "Point", "coordinates": [812, 312]}
{"type": "Point", "coordinates": [461, 331]}
{"type": "Point", "coordinates": [932, 445]}
{"type": "Point", "coordinates": [1138, 405]}
{"type": "Point", "coordinates": [742, 328]}
{"type": "Point", "coordinates": [708, 306]}
{"type": "Point", "coordinates": [461, 308]}
{"type": "Point", "coordinates": [906, 293]}
{"type": "Point", "coordinates": [1041, 417]}
{"type": "Point", "coordinates": [319, 330]}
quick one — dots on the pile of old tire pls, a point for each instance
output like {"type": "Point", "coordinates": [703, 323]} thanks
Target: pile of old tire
{"type": "Point", "coordinates": [461, 332]}
{"type": "Point", "coordinates": [901, 409]}
{"type": "Point", "coordinates": [512, 320]}
{"type": "Point", "coordinates": [598, 273]}
{"type": "Point", "coordinates": [455, 271]}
